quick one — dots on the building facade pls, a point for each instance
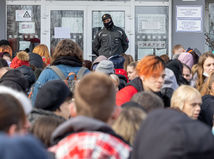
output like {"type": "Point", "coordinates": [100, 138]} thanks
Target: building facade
{"type": "Point", "coordinates": [152, 26]}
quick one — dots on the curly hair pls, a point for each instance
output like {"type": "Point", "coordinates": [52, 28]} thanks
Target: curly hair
{"type": "Point", "coordinates": [150, 66]}
{"type": "Point", "coordinates": [67, 47]}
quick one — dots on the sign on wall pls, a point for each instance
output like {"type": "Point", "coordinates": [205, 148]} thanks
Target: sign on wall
{"type": "Point", "coordinates": [188, 18]}
{"type": "Point", "coordinates": [23, 15]}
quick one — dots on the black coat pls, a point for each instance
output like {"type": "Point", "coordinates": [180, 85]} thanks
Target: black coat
{"type": "Point", "coordinates": [207, 110]}
{"type": "Point", "coordinates": [170, 134]}
{"type": "Point", "coordinates": [109, 42]}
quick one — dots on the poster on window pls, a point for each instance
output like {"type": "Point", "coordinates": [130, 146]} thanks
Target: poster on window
{"type": "Point", "coordinates": [75, 24]}
{"type": "Point", "coordinates": [27, 27]}
{"type": "Point", "coordinates": [23, 15]}
{"type": "Point", "coordinates": [152, 23]}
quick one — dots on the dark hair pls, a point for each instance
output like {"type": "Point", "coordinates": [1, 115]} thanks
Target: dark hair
{"type": "Point", "coordinates": [44, 126]}
{"type": "Point", "coordinates": [11, 112]}
{"type": "Point", "coordinates": [148, 100]}
{"type": "Point", "coordinates": [3, 63]}
{"type": "Point", "coordinates": [165, 58]}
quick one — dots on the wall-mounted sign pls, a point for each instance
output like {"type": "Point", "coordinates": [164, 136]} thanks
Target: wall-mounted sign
{"type": "Point", "coordinates": [23, 15]}
{"type": "Point", "coordinates": [189, 18]}
{"type": "Point", "coordinates": [75, 24]}
{"type": "Point", "coordinates": [152, 23]}
{"type": "Point", "coordinates": [27, 27]}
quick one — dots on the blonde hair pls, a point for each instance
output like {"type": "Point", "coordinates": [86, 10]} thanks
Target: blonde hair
{"type": "Point", "coordinates": [182, 94]}
{"type": "Point", "coordinates": [128, 123]}
{"type": "Point", "coordinates": [42, 50]}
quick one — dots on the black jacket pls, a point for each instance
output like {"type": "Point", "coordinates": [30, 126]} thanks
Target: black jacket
{"type": "Point", "coordinates": [207, 110]}
{"type": "Point", "coordinates": [170, 134]}
{"type": "Point", "coordinates": [109, 42]}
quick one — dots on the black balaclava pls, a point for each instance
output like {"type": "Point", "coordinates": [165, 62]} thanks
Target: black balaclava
{"type": "Point", "coordinates": [110, 24]}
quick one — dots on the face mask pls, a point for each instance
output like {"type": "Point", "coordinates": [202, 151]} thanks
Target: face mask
{"type": "Point", "coordinates": [205, 74]}
{"type": "Point", "coordinates": [108, 25]}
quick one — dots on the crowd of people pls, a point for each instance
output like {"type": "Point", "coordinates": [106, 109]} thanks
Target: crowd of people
{"type": "Point", "coordinates": [60, 106]}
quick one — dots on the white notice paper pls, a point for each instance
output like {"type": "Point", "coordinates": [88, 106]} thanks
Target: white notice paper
{"type": "Point", "coordinates": [27, 27]}
{"type": "Point", "coordinates": [189, 25]}
{"type": "Point", "coordinates": [24, 44]}
{"type": "Point", "coordinates": [152, 23]}
{"type": "Point", "coordinates": [60, 32]}
{"type": "Point", "coordinates": [144, 52]}
{"type": "Point", "coordinates": [75, 24]}
{"type": "Point", "coordinates": [189, 11]}
{"type": "Point", "coordinates": [23, 15]}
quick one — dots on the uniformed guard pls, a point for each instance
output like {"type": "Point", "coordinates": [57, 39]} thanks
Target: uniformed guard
{"type": "Point", "coordinates": [110, 40]}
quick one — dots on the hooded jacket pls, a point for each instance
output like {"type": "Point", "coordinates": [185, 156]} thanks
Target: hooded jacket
{"type": "Point", "coordinates": [207, 110]}
{"type": "Point", "coordinates": [99, 137]}
{"type": "Point", "coordinates": [170, 134]}
{"type": "Point", "coordinates": [15, 79]}
{"type": "Point", "coordinates": [21, 147]}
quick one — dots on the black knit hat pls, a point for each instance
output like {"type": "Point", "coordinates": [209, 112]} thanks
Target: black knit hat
{"type": "Point", "coordinates": [36, 60]}
{"type": "Point", "coordinates": [51, 95]}
{"type": "Point", "coordinates": [106, 16]}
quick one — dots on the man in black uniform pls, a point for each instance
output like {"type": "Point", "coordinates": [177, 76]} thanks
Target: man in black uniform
{"type": "Point", "coordinates": [111, 40]}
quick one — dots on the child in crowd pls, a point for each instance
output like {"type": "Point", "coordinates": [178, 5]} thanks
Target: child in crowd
{"type": "Point", "coordinates": [94, 106]}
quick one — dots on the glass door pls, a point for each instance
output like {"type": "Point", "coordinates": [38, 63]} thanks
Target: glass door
{"type": "Point", "coordinates": [66, 24]}
{"type": "Point", "coordinates": [119, 17]}
{"type": "Point", "coordinates": [23, 26]}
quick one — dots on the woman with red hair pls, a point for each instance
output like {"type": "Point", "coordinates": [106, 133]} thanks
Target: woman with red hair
{"type": "Point", "coordinates": [151, 74]}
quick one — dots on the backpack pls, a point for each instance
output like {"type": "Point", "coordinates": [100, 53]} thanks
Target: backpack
{"type": "Point", "coordinates": [69, 81]}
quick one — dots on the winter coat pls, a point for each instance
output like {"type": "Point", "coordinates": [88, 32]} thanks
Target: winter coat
{"type": "Point", "coordinates": [207, 110]}
{"type": "Point", "coordinates": [171, 134]}
{"type": "Point", "coordinates": [66, 64]}
{"type": "Point", "coordinates": [21, 147]}
{"type": "Point", "coordinates": [77, 132]}
{"type": "Point", "coordinates": [16, 80]}
{"type": "Point", "coordinates": [109, 42]}
{"type": "Point", "coordinates": [133, 87]}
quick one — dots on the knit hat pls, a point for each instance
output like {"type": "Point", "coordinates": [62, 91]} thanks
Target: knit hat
{"type": "Point", "coordinates": [97, 61]}
{"type": "Point", "coordinates": [36, 60]}
{"type": "Point", "coordinates": [118, 61]}
{"type": "Point", "coordinates": [186, 58]}
{"type": "Point", "coordinates": [170, 134]}
{"type": "Point", "coordinates": [15, 79]}
{"type": "Point", "coordinates": [22, 58]}
{"type": "Point", "coordinates": [106, 16]}
{"type": "Point", "coordinates": [51, 95]}
{"type": "Point", "coordinates": [105, 66]}
{"type": "Point", "coordinates": [28, 74]}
